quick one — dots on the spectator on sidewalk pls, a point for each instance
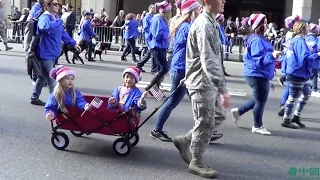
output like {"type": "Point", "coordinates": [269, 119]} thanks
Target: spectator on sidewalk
{"type": "Point", "coordinates": [3, 26]}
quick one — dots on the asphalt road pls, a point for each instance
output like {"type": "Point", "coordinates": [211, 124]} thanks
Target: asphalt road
{"type": "Point", "coordinates": [26, 152]}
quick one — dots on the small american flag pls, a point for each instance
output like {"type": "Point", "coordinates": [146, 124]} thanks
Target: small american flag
{"type": "Point", "coordinates": [96, 102]}
{"type": "Point", "coordinates": [156, 92]}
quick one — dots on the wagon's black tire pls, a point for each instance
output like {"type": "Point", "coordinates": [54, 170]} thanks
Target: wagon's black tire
{"type": "Point", "coordinates": [60, 140]}
{"type": "Point", "coordinates": [122, 147]}
{"type": "Point", "coordinates": [77, 133]}
{"type": "Point", "coordinates": [134, 140]}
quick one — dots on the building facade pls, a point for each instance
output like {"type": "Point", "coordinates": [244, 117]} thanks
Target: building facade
{"type": "Point", "coordinates": [276, 10]}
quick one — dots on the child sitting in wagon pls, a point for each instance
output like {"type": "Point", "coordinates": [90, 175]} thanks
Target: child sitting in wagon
{"type": "Point", "coordinates": [64, 94]}
{"type": "Point", "coordinates": [128, 96]}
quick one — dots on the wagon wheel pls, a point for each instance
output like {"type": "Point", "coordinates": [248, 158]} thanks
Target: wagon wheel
{"type": "Point", "coordinates": [122, 147]}
{"type": "Point", "coordinates": [77, 133]}
{"type": "Point", "coordinates": [60, 140]}
{"type": "Point", "coordinates": [134, 140]}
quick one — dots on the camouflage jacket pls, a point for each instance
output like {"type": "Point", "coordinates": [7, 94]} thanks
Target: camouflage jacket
{"type": "Point", "coordinates": [203, 61]}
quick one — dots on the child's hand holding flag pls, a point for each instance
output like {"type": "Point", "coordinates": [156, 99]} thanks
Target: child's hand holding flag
{"type": "Point", "coordinates": [96, 102]}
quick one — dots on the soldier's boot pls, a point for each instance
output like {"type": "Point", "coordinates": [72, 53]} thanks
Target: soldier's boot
{"type": "Point", "coordinates": [198, 168]}
{"type": "Point", "coordinates": [183, 145]}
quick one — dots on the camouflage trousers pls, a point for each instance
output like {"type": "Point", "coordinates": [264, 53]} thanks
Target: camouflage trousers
{"type": "Point", "coordinates": [208, 114]}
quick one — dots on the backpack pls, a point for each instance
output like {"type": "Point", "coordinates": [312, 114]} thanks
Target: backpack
{"type": "Point", "coordinates": [30, 30]}
{"type": "Point", "coordinates": [33, 62]}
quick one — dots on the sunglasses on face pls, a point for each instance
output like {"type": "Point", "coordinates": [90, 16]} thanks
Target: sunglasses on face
{"type": "Point", "coordinates": [54, 4]}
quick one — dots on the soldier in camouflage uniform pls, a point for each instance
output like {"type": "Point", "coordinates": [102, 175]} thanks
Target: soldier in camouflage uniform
{"type": "Point", "coordinates": [205, 81]}
{"type": "Point", "coordinates": [3, 23]}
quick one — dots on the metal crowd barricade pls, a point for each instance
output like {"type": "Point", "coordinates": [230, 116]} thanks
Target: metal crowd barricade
{"type": "Point", "coordinates": [15, 31]}
{"type": "Point", "coordinates": [113, 35]}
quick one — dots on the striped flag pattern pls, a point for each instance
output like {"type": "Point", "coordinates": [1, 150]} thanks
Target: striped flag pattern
{"type": "Point", "coordinates": [156, 92]}
{"type": "Point", "coordinates": [96, 102]}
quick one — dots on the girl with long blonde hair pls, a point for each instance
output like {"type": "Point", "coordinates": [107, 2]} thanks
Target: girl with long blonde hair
{"type": "Point", "coordinates": [179, 33]}
{"type": "Point", "coordinates": [64, 94]}
{"type": "Point", "coordinates": [297, 66]}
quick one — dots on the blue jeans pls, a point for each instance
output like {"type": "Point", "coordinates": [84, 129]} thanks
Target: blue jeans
{"type": "Point", "coordinates": [260, 91]}
{"type": "Point", "coordinates": [47, 65]}
{"type": "Point", "coordinates": [285, 94]}
{"type": "Point", "coordinates": [174, 100]}
{"type": "Point", "coordinates": [314, 78]}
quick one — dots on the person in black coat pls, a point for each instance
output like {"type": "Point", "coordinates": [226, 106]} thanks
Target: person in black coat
{"type": "Point", "coordinates": [71, 21]}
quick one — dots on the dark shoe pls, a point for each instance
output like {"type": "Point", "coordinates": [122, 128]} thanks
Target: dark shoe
{"type": "Point", "coordinates": [226, 74]}
{"type": "Point", "coordinates": [281, 111]}
{"type": "Point", "coordinates": [296, 119]}
{"type": "Point", "coordinates": [183, 145]}
{"type": "Point", "coordinates": [287, 123]}
{"type": "Point", "coordinates": [215, 136]}
{"type": "Point", "coordinates": [140, 68]}
{"type": "Point", "coordinates": [123, 59]}
{"type": "Point", "coordinates": [37, 102]}
{"type": "Point", "coordinates": [91, 60]}
{"type": "Point", "coordinates": [198, 168]}
{"type": "Point", "coordinates": [281, 82]}
{"type": "Point", "coordinates": [161, 135]}
{"type": "Point", "coordinates": [8, 48]}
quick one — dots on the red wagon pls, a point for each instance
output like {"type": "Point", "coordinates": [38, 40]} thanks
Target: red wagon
{"type": "Point", "coordinates": [103, 121]}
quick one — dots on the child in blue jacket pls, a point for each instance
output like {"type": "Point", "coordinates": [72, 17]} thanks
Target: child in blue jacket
{"type": "Point", "coordinates": [130, 34]}
{"type": "Point", "coordinates": [128, 96]}
{"type": "Point", "coordinates": [297, 66]}
{"type": "Point", "coordinates": [86, 32]}
{"type": "Point", "coordinates": [64, 94]}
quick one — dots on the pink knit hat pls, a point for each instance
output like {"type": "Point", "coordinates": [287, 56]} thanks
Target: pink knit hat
{"type": "Point", "coordinates": [163, 6]}
{"type": "Point", "coordinates": [134, 71]}
{"type": "Point", "coordinates": [219, 17]}
{"type": "Point", "coordinates": [255, 20]}
{"type": "Point", "coordinates": [60, 72]}
{"type": "Point", "coordinates": [188, 6]}
{"type": "Point", "coordinates": [289, 21]}
{"type": "Point", "coordinates": [313, 27]}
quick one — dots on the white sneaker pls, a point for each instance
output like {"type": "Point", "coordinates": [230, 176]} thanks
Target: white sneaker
{"type": "Point", "coordinates": [33, 83]}
{"type": "Point", "coordinates": [261, 130]}
{"type": "Point", "coordinates": [315, 94]}
{"type": "Point", "coordinates": [235, 115]}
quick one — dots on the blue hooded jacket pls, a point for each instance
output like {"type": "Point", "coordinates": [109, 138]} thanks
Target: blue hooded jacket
{"type": "Point", "coordinates": [130, 100]}
{"type": "Point", "coordinates": [223, 37]}
{"type": "Point", "coordinates": [86, 31]}
{"type": "Point", "coordinates": [299, 60]}
{"type": "Point", "coordinates": [258, 59]}
{"type": "Point", "coordinates": [159, 33]}
{"type": "Point", "coordinates": [178, 61]}
{"type": "Point", "coordinates": [131, 29]}
{"type": "Point", "coordinates": [52, 104]}
{"type": "Point", "coordinates": [51, 34]}
{"type": "Point", "coordinates": [35, 10]}
{"type": "Point", "coordinates": [146, 21]}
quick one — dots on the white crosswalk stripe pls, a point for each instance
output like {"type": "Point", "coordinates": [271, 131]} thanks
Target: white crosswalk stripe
{"type": "Point", "coordinates": [166, 88]}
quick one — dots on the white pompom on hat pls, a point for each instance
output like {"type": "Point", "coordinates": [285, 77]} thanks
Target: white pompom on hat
{"type": "Point", "coordinates": [313, 27]}
{"type": "Point", "coordinates": [255, 20]}
{"type": "Point", "coordinates": [134, 71]}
